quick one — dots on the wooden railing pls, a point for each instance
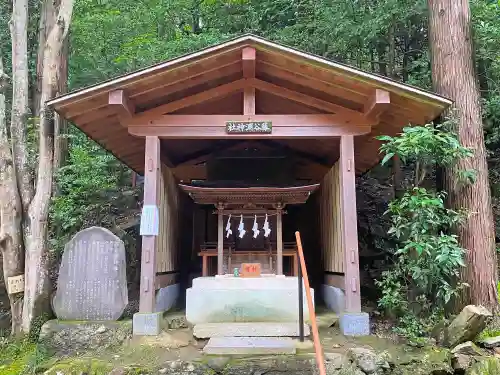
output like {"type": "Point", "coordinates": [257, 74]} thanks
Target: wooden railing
{"type": "Point", "coordinates": [320, 361]}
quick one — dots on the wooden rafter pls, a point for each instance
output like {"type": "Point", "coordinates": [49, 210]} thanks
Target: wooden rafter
{"type": "Point", "coordinates": [189, 82]}
{"type": "Point", "coordinates": [121, 104]}
{"type": "Point", "coordinates": [303, 155]}
{"type": "Point", "coordinates": [219, 91]}
{"type": "Point", "coordinates": [305, 99]}
{"type": "Point", "coordinates": [202, 155]}
{"type": "Point", "coordinates": [378, 103]}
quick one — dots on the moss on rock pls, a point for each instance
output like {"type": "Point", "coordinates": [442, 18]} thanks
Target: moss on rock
{"type": "Point", "coordinates": [487, 366]}
{"type": "Point", "coordinates": [79, 366]}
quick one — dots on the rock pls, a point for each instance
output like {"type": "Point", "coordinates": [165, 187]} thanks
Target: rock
{"type": "Point", "coordinates": [461, 362]}
{"type": "Point", "coordinates": [490, 342]}
{"type": "Point", "coordinates": [334, 361]}
{"type": "Point", "coordinates": [118, 371]}
{"type": "Point", "coordinates": [217, 363]}
{"type": "Point", "coordinates": [163, 371]}
{"type": "Point", "coordinates": [487, 366]}
{"type": "Point", "coordinates": [468, 348]}
{"type": "Point", "coordinates": [69, 338]}
{"type": "Point", "coordinates": [326, 319]}
{"type": "Point", "coordinates": [92, 283]}
{"type": "Point", "coordinates": [101, 329]}
{"type": "Point", "coordinates": [176, 320]}
{"type": "Point", "coordinates": [365, 359]}
{"type": "Point", "coordinates": [466, 325]}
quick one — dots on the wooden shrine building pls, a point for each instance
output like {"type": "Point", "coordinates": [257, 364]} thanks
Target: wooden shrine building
{"type": "Point", "coordinates": [248, 128]}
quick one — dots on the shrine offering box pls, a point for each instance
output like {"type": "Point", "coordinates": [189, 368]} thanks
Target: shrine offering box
{"type": "Point", "coordinates": [250, 270]}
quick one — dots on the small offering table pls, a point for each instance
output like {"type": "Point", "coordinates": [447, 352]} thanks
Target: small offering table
{"type": "Point", "coordinates": [236, 258]}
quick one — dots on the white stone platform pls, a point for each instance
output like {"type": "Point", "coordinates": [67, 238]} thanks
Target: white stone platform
{"type": "Point", "coordinates": [228, 299]}
{"type": "Point", "coordinates": [250, 345]}
{"type": "Point", "coordinates": [275, 329]}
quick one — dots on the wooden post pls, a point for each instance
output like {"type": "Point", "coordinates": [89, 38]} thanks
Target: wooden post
{"type": "Point", "coordinates": [349, 225]}
{"type": "Point", "coordinates": [279, 241]}
{"type": "Point", "coordinates": [220, 240]}
{"type": "Point", "coordinates": [149, 243]}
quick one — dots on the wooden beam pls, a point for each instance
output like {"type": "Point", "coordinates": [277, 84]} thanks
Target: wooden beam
{"type": "Point", "coordinates": [188, 172]}
{"type": "Point", "coordinates": [306, 99]}
{"type": "Point", "coordinates": [315, 120]}
{"type": "Point", "coordinates": [279, 242]}
{"type": "Point", "coordinates": [149, 243]}
{"type": "Point", "coordinates": [119, 100]}
{"type": "Point", "coordinates": [284, 126]}
{"type": "Point", "coordinates": [220, 241]}
{"type": "Point", "coordinates": [216, 92]}
{"type": "Point", "coordinates": [377, 104]}
{"type": "Point", "coordinates": [248, 61]}
{"type": "Point", "coordinates": [249, 101]}
{"type": "Point", "coordinates": [347, 176]}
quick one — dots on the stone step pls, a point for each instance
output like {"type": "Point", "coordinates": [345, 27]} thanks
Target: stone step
{"type": "Point", "coordinates": [249, 345]}
{"type": "Point", "coordinates": [262, 329]}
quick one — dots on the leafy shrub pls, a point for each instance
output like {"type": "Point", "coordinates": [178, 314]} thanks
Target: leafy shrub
{"type": "Point", "coordinates": [428, 259]}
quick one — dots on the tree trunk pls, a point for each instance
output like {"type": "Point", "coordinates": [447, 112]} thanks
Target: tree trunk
{"type": "Point", "coordinates": [11, 242]}
{"type": "Point", "coordinates": [36, 300]}
{"type": "Point", "coordinates": [60, 124]}
{"type": "Point", "coordinates": [19, 115]}
{"type": "Point", "coordinates": [453, 76]}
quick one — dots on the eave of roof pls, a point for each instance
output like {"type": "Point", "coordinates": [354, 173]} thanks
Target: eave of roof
{"type": "Point", "coordinates": [428, 96]}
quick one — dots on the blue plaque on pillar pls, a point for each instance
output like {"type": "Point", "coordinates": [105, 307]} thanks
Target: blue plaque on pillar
{"type": "Point", "coordinates": [150, 219]}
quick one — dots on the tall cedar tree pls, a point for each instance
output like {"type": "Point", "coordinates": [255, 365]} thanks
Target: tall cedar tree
{"type": "Point", "coordinates": [454, 76]}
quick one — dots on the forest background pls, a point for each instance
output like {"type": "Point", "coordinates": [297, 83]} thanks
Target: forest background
{"type": "Point", "coordinates": [111, 37]}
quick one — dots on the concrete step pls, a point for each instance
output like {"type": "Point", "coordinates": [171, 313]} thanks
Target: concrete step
{"type": "Point", "coordinates": [249, 345]}
{"type": "Point", "coordinates": [263, 329]}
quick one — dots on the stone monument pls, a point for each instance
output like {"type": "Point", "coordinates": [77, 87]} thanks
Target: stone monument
{"type": "Point", "coordinates": [92, 282]}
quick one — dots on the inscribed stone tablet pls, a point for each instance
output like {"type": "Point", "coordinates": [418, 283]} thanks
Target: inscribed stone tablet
{"type": "Point", "coordinates": [92, 282]}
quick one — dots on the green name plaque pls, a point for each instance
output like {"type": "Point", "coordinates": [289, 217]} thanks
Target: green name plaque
{"type": "Point", "coordinates": [249, 127]}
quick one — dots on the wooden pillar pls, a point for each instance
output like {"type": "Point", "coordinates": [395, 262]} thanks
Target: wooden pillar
{"type": "Point", "coordinates": [149, 243]}
{"type": "Point", "coordinates": [220, 240]}
{"type": "Point", "coordinates": [279, 241]}
{"type": "Point", "coordinates": [349, 225]}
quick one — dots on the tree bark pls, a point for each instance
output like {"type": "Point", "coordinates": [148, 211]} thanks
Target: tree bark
{"type": "Point", "coordinates": [11, 242]}
{"type": "Point", "coordinates": [19, 112]}
{"type": "Point", "coordinates": [453, 76]}
{"type": "Point", "coordinates": [36, 300]}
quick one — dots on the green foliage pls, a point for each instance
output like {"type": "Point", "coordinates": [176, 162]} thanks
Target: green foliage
{"type": "Point", "coordinates": [428, 144]}
{"type": "Point", "coordinates": [21, 356]}
{"type": "Point", "coordinates": [427, 261]}
{"type": "Point", "coordinates": [89, 189]}
{"type": "Point", "coordinates": [423, 278]}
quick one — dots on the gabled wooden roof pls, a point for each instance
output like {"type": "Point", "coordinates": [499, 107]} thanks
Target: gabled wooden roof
{"type": "Point", "coordinates": [260, 196]}
{"type": "Point", "coordinates": [325, 84]}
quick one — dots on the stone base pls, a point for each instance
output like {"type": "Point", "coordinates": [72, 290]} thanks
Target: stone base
{"type": "Point", "coordinates": [355, 324]}
{"type": "Point", "coordinates": [147, 324]}
{"type": "Point", "coordinates": [334, 298]}
{"type": "Point", "coordinates": [167, 297]}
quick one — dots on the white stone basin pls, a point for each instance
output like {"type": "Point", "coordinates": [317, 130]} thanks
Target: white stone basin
{"type": "Point", "coordinates": [237, 299]}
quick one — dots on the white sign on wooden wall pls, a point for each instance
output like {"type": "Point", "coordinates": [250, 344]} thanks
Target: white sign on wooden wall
{"type": "Point", "coordinates": [149, 221]}
{"type": "Point", "coordinates": [15, 284]}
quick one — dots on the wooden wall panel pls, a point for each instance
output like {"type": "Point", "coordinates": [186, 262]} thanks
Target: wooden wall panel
{"type": "Point", "coordinates": [330, 223]}
{"type": "Point", "coordinates": [167, 257]}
